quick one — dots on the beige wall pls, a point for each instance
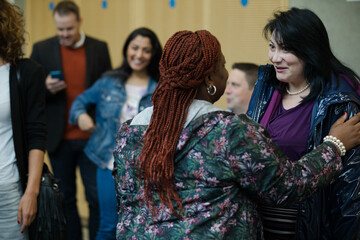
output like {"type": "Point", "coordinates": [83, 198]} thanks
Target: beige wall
{"type": "Point", "coordinates": [341, 19]}
{"type": "Point", "coordinates": [238, 28]}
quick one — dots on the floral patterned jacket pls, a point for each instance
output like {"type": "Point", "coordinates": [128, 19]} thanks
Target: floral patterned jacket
{"type": "Point", "coordinates": [224, 165]}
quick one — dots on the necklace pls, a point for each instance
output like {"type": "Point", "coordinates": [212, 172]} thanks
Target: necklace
{"type": "Point", "coordinates": [298, 92]}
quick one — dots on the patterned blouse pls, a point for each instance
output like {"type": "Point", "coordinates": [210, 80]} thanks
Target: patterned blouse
{"type": "Point", "coordinates": [224, 166]}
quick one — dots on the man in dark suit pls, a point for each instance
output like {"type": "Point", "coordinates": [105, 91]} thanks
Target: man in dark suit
{"type": "Point", "coordinates": [79, 61]}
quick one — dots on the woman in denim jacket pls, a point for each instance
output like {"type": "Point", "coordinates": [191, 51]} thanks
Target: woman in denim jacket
{"type": "Point", "coordinates": [118, 95]}
{"type": "Point", "coordinates": [297, 99]}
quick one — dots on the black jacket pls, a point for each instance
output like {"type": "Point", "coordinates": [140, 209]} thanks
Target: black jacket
{"type": "Point", "coordinates": [47, 53]}
{"type": "Point", "coordinates": [27, 114]}
{"type": "Point", "coordinates": [333, 212]}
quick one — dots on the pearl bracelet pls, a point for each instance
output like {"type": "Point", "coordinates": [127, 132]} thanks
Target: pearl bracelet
{"type": "Point", "coordinates": [337, 143]}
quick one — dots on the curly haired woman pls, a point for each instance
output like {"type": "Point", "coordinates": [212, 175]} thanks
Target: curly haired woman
{"type": "Point", "coordinates": [22, 127]}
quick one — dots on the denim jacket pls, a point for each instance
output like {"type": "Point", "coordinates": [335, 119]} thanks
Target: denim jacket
{"type": "Point", "coordinates": [333, 212]}
{"type": "Point", "coordinates": [108, 94]}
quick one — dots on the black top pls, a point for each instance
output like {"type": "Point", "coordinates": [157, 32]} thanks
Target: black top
{"type": "Point", "coordinates": [27, 114]}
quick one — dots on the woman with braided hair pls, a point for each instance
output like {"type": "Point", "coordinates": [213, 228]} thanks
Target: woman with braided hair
{"type": "Point", "coordinates": [185, 169]}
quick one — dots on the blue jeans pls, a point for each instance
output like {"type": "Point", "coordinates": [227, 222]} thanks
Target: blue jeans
{"type": "Point", "coordinates": [107, 202]}
{"type": "Point", "coordinates": [64, 161]}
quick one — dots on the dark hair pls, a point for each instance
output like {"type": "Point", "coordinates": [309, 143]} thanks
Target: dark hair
{"type": "Point", "coordinates": [65, 7]}
{"type": "Point", "coordinates": [11, 32]}
{"type": "Point", "coordinates": [125, 70]}
{"type": "Point", "coordinates": [188, 58]}
{"type": "Point", "coordinates": [301, 32]}
{"type": "Point", "coordinates": [250, 70]}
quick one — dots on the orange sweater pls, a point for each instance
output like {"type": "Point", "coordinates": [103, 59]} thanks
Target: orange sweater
{"type": "Point", "coordinates": [74, 68]}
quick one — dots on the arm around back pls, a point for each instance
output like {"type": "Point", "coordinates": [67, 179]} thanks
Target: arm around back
{"type": "Point", "coordinates": [267, 174]}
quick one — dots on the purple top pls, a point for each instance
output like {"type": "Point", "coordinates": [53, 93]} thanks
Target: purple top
{"type": "Point", "coordinates": [274, 103]}
{"type": "Point", "coordinates": [276, 97]}
{"type": "Point", "coordinates": [290, 129]}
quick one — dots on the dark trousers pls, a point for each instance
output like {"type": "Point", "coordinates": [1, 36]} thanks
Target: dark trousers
{"type": "Point", "coordinates": [64, 161]}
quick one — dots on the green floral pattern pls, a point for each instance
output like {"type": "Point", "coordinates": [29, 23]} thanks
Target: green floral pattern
{"type": "Point", "coordinates": [224, 165]}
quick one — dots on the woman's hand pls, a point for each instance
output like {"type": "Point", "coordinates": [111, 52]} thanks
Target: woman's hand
{"type": "Point", "coordinates": [347, 132]}
{"type": "Point", "coordinates": [86, 123]}
{"type": "Point", "coordinates": [27, 210]}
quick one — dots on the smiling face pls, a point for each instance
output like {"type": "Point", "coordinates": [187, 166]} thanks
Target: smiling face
{"type": "Point", "coordinates": [237, 92]}
{"type": "Point", "coordinates": [139, 53]}
{"type": "Point", "coordinates": [289, 68]}
{"type": "Point", "coordinates": [68, 28]}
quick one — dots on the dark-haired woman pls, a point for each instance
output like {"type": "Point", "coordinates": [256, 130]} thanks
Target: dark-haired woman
{"type": "Point", "coordinates": [118, 95]}
{"type": "Point", "coordinates": [22, 127]}
{"type": "Point", "coordinates": [185, 169]}
{"type": "Point", "coordinates": [297, 99]}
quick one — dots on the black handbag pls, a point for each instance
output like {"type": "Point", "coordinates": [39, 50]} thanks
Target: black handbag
{"type": "Point", "coordinates": [50, 221]}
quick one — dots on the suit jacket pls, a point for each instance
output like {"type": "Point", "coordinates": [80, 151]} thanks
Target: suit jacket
{"type": "Point", "coordinates": [47, 53]}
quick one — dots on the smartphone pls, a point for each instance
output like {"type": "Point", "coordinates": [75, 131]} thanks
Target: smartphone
{"type": "Point", "coordinates": [57, 74]}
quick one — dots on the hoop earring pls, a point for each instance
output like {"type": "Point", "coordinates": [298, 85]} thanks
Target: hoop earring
{"type": "Point", "coordinates": [211, 90]}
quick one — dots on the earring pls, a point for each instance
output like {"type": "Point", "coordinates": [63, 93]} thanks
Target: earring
{"type": "Point", "coordinates": [211, 90]}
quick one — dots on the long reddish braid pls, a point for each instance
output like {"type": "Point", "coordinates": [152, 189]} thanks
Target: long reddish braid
{"type": "Point", "coordinates": [188, 58]}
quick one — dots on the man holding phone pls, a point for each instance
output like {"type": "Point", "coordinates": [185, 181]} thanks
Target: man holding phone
{"type": "Point", "coordinates": [72, 62]}
{"type": "Point", "coordinates": [57, 75]}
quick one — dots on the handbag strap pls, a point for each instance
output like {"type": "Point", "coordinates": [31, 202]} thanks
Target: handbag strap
{"type": "Point", "coordinates": [18, 77]}
{"type": "Point", "coordinates": [20, 97]}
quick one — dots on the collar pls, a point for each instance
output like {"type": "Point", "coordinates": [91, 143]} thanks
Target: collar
{"type": "Point", "coordinates": [120, 83]}
{"type": "Point", "coordinates": [196, 109]}
{"type": "Point", "coordinates": [81, 42]}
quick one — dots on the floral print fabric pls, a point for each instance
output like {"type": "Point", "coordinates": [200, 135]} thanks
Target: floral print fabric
{"type": "Point", "coordinates": [224, 165]}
